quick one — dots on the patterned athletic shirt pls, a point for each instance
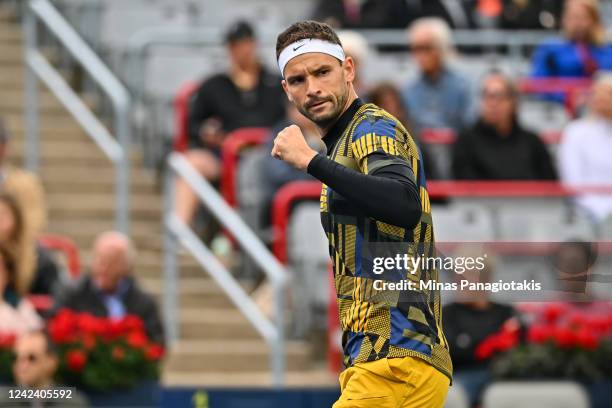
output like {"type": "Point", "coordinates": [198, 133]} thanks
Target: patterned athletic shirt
{"type": "Point", "coordinates": [380, 323]}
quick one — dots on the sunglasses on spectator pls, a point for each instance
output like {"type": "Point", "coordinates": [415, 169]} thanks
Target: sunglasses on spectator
{"type": "Point", "coordinates": [422, 48]}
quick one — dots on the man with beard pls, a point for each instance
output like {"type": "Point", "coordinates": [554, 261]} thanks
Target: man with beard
{"type": "Point", "coordinates": [373, 192]}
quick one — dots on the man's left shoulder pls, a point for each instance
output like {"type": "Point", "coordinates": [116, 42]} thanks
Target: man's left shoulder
{"type": "Point", "coordinates": [376, 121]}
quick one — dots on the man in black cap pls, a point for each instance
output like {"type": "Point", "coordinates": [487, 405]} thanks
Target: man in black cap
{"type": "Point", "coordinates": [247, 95]}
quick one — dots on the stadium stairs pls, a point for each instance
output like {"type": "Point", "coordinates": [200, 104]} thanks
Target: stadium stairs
{"type": "Point", "coordinates": [217, 346]}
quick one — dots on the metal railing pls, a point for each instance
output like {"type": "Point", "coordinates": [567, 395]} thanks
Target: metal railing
{"type": "Point", "coordinates": [272, 330]}
{"type": "Point", "coordinates": [38, 68]}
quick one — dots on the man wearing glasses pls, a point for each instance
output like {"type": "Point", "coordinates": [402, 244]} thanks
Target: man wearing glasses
{"type": "Point", "coordinates": [35, 364]}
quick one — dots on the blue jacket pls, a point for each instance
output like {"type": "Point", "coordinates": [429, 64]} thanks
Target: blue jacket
{"type": "Point", "coordinates": [561, 58]}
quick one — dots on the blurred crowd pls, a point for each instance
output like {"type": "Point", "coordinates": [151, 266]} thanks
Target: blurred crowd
{"type": "Point", "coordinates": [491, 143]}
{"type": "Point", "coordinates": [481, 114]}
{"type": "Point", "coordinates": [34, 285]}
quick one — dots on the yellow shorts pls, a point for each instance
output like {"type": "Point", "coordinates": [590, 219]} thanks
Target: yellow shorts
{"type": "Point", "coordinates": [406, 382]}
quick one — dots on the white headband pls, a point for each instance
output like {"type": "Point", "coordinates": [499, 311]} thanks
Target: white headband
{"type": "Point", "coordinates": [305, 46]}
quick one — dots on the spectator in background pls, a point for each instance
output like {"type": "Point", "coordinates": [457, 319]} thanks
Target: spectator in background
{"type": "Point", "coordinates": [276, 172]}
{"type": "Point", "coordinates": [385, 13]}
{"type": "Point", "coordinates": [17, 315]}
{"type": "Point", "coordinates": [36, 273]}
{"type": "Point", "coordinates": [470, 319]}
{"type": "Point", "coordinates": [388, 97]}
{"type": "Point", "coordinates": [245, 96]}
{"type": "Point", "coordinates": [110, 289]}
{"type": "Point", "coordinates": [531, 14]}
{"type": "Point", "coordinates": [586, 145]}
{"type": "Point", "coordinates": [439, 97]}
{"type": "Point", "coordinates": [356, 46]}
{"type": "Point", "coordinates": [497, 147]}
{"type": "Point", "coordinates": [582, 49]}
{"type": "Point", "coordinates": [24, 186]}
{"type": "Point", "coordinates": [36, 362]}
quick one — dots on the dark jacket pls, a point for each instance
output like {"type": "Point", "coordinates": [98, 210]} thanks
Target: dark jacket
{"type": "Point", "coordinates": [84, 297]}
{"type": "Point", "coordinates": [47, 275]}
{"type": "Point", "coordinates": [481, 153]}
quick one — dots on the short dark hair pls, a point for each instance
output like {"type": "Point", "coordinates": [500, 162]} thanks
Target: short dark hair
{"type": "Point", "coordinates": [240, 30]}
{"type": "Point", "coordinates": [303, 30]}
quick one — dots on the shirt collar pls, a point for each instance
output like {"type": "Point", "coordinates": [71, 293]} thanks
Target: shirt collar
{"type": "Point", "coordinates": [332, 136]}
{"type": "Point", "coordinates": [122, 287]}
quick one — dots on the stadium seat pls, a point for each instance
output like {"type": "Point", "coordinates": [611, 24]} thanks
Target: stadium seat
{"type": "Point", "coordinates": [250, 188]}
{"type": "Point", "coordinates": [520, 221]}
{"type": "Point", "coordinates": [537, 394]}
{"type": "Point", "coordinates": [462, 223]}
{"type": "Point", "coordinates": [456, 397]}
{"type": "Point", "coordinates": [606, 229]}
{"type": "Point", "coordinates": [308, 260]}
{"type": "Point", "coordinates": [542, 116]}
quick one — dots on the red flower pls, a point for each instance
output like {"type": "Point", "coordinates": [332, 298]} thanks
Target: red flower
{"type": "Point", "coordinates": [154, 352]}
{"type": "Point", "coordinates": [7, 340]}
{"type": "Point", "coordinates": [137, 339]}
{"type": "Point", "coordinates": [553, 311]}
{"type": "Point", "coordinates": [505, 341]}
{"type": "Point", "coordinates": [564, 337]}
{"type": "Point", "coordinates": [118, 353]}
{"type": "Point", "coordinates": [132, 323]}
{"type": "Point", "coordinates": [76, 360]}
{"type": "Point", "coordinates": [540, 333]}
{"type": "Point", "coordinates": [586, 339]}
{"type": "Point", "coordinates": [92, 325]}
{"type": "Point", "coordinates": [88, 341]}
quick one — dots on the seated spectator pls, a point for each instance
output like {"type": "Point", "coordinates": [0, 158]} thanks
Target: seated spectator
{"type": "Point", "coordinates": [581, 50]}
{"type": "Point", "coordinates": [439, 97]}
{"type": "Point", "coordinates": [584, 153]}
{"type": "Point", "coordinates": [24, 186]}
{"type": "Point", "coordinates": [36, 273]}
{"type": "Point", "coordinates": [276, 172]}
{"type": "Point", "coordinates": [110, 289]}
{"type": "Point", "coordinates": [388, 97]}
{"type": "Point", "coordinates": [17, 315]}
{"type": "Point", "coordinates": [245, 96]}
{"type": "Point", "coordinates": [531, 14]}
{"type": "Point", "coordinates": [470, 319]}
{"type": "Point", "coordinates": [497, 147]}
{"type": "Point", "coordinates": [356, 46]}
{"type": "Point", "coordinates": [36, 362]}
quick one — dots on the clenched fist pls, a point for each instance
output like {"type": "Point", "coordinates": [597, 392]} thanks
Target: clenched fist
{"type": "Point", "coordinates": [291, 147]}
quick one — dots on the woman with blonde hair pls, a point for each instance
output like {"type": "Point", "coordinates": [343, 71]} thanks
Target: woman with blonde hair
{"type": "Point", "coordinates": [35, 272]}
{"type": "Point", "coordinates": [17, 315]}
{"type": "Point", "coordinates": [582, 50]}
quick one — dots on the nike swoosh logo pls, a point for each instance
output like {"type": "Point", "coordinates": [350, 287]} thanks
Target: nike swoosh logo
{"type": "Point", "coordinates": [298, 47]}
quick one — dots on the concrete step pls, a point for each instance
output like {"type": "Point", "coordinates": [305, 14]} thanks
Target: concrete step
{"type": "Point", "coordinates": [104, 175]}
{"type": "Point", "coordinates": [10, 34]}
{"type": "Point", "coordinates": [11, 76]}
{"type": "Point", "coordinates": [13, 100]}
{"type": "Point", "coordinates": [62, 125]}
{"type": "Point", "coordinates": [316, 377]}
{"type": "Point", "coordinates": [209, 324]}
{"type": "Point", "coordinates": [194, 292]}
{"type": "Point", "coordinates": [11, 56]}
{"type": "Point", "coordinates": [88, 158]}
{"type": "Point", "coordinates": [231, 355]}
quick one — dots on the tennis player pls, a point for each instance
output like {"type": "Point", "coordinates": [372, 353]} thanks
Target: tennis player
{"type": "Point", "coordinates": [373, 193]}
